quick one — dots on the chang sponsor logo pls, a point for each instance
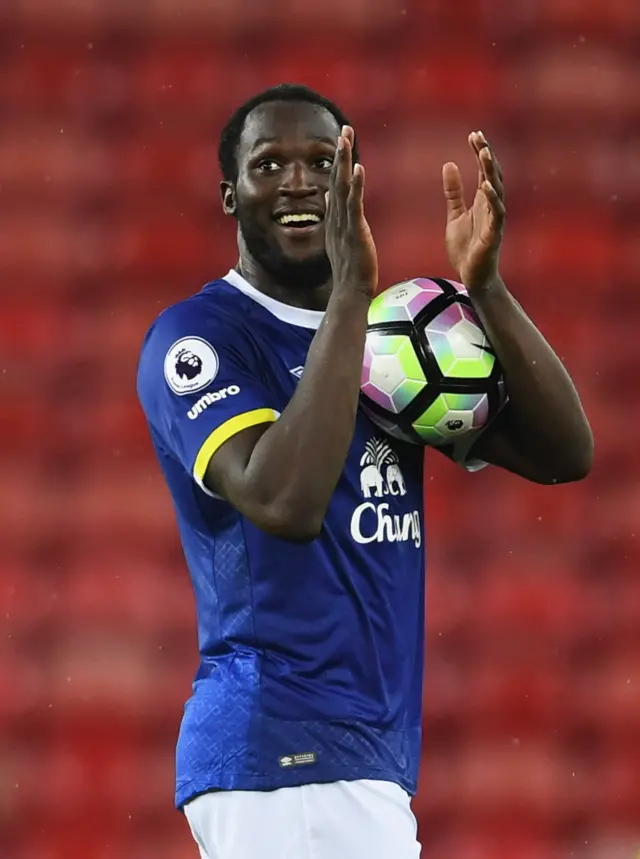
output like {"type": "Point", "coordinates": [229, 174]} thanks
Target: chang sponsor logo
{"type": "Point", "coordinates": [372, 521]}
{"type": "Point", "coordinates": [209, 399]}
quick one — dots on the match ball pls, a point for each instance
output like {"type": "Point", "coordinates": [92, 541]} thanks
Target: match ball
{"type": "Point", "coordinates": [430, 375]}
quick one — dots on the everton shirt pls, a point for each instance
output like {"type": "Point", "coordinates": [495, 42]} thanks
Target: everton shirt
{"type": "Point", "coordinates": [311, 655]}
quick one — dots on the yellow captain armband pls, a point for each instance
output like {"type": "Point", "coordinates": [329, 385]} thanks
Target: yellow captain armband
{"type": "Point", "coordinates": [226, 431]}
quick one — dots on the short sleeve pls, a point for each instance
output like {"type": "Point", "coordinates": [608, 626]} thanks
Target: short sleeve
{"type": "Point", "coordinates": [461, 452]}
{"type": "Point", "coordinates": [199, 384]}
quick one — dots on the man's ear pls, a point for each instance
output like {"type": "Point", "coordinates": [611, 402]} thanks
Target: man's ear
{"type": "Point", "coordinates": [228, 195]}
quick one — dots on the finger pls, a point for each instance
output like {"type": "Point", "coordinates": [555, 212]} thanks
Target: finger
{"type": "Point", "coordinates": [489, 164]}
{"type": "Point", "coordinates": [498, 172]}
{"type": "Point", "coordinates": [355, 201]}
{"type": "Point", "coordinates": [483, 142]}
{"type": "Point", "coordinates": [481, 149]}
{"type": "Point", "coordinates": [332, 196]}
{"type": "Point", "coordinates": [342, 172]}
{"type": "Point", "coordinates": [475, 141]}
{"type": "Point", "coordinates": [336, 160]}
{"type": "Point", "coordinates": [453, 191]}
{"type": "Point", "coordinates": [349, 133]}
{"type": "Point", "coordinates": [496, 204]}
{"type": "Point", "coordinates": [490, 170]}
{"type": "Point", "coordinates": [473, 144]}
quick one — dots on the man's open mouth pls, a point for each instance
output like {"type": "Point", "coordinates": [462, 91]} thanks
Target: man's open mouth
{"type": "Point", "coordinates": [299, 221]}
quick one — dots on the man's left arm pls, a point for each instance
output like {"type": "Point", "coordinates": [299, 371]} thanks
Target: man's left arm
{"type": "Point", "coordinates": [542, 433]}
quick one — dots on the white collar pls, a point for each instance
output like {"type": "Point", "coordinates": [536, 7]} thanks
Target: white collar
{"type": "Point", "coordinates": [285, 312]}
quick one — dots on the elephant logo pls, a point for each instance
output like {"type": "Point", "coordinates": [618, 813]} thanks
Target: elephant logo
{"type": "Point", "coordinates": [378, 519]}
{"type": "Point", "coordinates": [381, 473]}
{"type": "Point", "coordinates": [395, 480]}
{"type": "Point", "coordinates": [371, 481]}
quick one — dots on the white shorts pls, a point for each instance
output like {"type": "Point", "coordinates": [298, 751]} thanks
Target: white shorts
{"type": "Point", "coordinates": [343, 820]}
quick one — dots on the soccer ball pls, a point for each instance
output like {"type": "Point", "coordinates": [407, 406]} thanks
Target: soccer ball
{"type": "Point", "coordinates": [430, 375]}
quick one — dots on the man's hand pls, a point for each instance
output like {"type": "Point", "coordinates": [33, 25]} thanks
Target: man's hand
{"type": "Point", "coordinates": [350, 246]}
{"type": "Point", "coordinates": [473, 236]}
{"type": "Point", "coordinates": [542, 433]}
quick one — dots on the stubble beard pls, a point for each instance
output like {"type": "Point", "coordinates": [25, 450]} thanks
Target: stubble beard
{"type": "Point", "coordinates": [307, 274]}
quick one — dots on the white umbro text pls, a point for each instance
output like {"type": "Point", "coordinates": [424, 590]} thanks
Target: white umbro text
{"type": "Point", "coordinates": [209, 399]}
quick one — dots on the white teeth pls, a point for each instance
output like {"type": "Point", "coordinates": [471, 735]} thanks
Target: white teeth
{"type": "Point", "coordinates": [299, 219]}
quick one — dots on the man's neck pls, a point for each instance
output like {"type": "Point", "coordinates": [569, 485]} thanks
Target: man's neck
{"type": "Point", "coordinates": [259, 278]}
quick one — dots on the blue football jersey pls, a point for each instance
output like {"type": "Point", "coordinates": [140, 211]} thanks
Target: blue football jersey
{"type": "Point", "coordinates": [311, 655]}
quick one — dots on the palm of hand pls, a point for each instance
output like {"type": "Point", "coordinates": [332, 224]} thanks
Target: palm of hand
{"type": "Point", "coordinates": [473, 235]}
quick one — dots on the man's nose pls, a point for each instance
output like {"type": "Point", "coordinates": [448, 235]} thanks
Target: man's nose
{"type": "Point", "coordinates": [299, 181]}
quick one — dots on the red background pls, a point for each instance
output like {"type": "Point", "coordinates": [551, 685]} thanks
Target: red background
{"type": "Point", "coordinates": [109, 116]}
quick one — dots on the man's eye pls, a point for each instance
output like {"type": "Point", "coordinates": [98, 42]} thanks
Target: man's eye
{"type": "Point", "coordinates": [268, 165]}
{"type": "Point", "coordinates": [324, 163]}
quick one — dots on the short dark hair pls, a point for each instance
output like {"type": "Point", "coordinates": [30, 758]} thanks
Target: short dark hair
{"type": "Point", "coordinates": [231, 133]}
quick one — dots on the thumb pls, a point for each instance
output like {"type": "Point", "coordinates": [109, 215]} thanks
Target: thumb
{"type": "Point", "coordinates": [453, 190]}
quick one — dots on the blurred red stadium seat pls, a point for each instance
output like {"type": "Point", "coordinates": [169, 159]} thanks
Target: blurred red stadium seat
{"type": "Point", "coordinates": [160, 244]}
{"type": "Point", "coordinates": [526, 698]}
{"type": "Point", "coordinates": [514, 777]}
{"type": "Point", "coordinates": [592, 17]}
{"type": "Point", "coordinates": [618, 798]}
{"type": "Point", "coordinates": [45, 161]}
{"type": "Point", "coordinates": [96, 507]}
{"type": "Point", "coordinates": [128, 596]}
{"type": "Point", "coordinates": [470, 843]}
{"type": "Point", "coordinates": [590, 83]}
{"type": "Point", "coordinates": [440, 84]}
{"type": "Point", "coordinates": [171, 78]}
{"type": "Point", "coordinates": [86, 16]}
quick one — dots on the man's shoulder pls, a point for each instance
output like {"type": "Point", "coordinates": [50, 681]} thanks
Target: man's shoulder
{"type": "Point", "coordinates": [216, 307]}
{"type": "Point", "coordinates": [217, 299]}
{"type": "Point", "coordinates": [188, 342]}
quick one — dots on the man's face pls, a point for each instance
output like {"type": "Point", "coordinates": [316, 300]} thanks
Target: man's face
{"type": "Point", "coordinates": [284, 162]}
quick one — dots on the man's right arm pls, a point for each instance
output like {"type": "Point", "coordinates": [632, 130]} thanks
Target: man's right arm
{"type": "Point", "coordinates": [281, 475]}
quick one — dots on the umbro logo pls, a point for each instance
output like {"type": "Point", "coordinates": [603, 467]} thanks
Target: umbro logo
{"type": "Point", "coordinates": [297, 372]}
{"type": "Point", "coordinates": [298, 760]}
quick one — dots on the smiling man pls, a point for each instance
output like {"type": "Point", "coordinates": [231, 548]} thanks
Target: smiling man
{"type": "Point", "coordinates": [302, 525]}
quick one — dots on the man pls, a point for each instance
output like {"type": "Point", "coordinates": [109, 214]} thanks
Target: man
{"type": "Point", "coordinates": [302, 737]}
